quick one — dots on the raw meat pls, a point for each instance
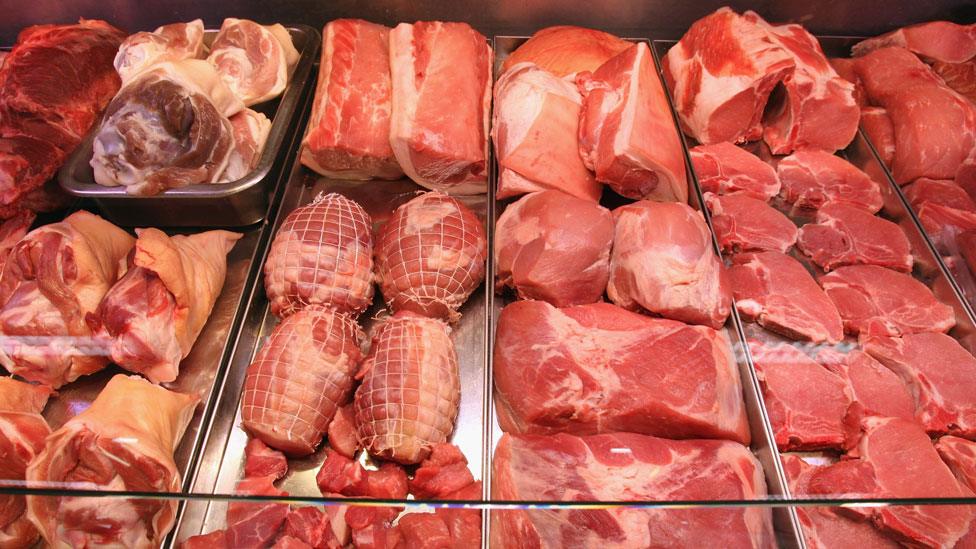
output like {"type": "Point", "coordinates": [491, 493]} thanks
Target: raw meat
{"type": "Point", "coordinates": [535, 128]}
{"type": "Point", "coordinates": [564, 50]}
{"type": "Point", "coordinates": [172, 42]}
{"type": "Point", "coordinates": [941, 375]}
{"type": "Point", "coordinates": [53, 278]}
{"type": "Point", "coordinates": [813, 178]}
{"type": "Point", "coordinates": [409, 397]}
{"type": "Point", "coordinates": [430, 256]}
{"type": "Point", "coordinates": [877, 390]}
{"type": "Point", "coordinates": [262, 461]}
{"type": "Point", "coordinates": [721, 73]}
{"type": "Point", "coordinates": [945, 210]}
{"type": "Point", "coordinates": [880, 132]}
{"type": "Point", "coordinates": [959, 76]}
{"type": "Point", "coordinates": [251, 130]}
{"type": "Point", "coordinates": [777, 291]}
{"type": "Point", "coordinates": [845, 68]}
{"type": "Point", "coordinates": [554, 247]}
{"type": "Point", "coordinates": [26, 164]}
{"type": "Point", "coordinates": [12, 231]}
{"type": "Point", "coordinates": [935, 40]}
{"type": "Point", "coordinates": [966, 242]}
{"type": "Point", "coordinates": [342, 432]}
{"type": "Point", "coordinates": [299, 378]}
{"type": "Point", "coordinates": [443, 473]}
{"type": "Point", "coordinates": [627, 467]}
{"type": "Point", "coordinates": [663, 261]}
{"type": "Point", "coordinates": [105, 449]}
{"type": "Point", "coordinates": [349, 132]}
{"type": "Point", "coordinates": [253, 60]}
{"type": "Point", "coordinates": [945, 193]}
{"type": "Point", "coordinates": [255, 524]}
{"type": "Point", "coordinates": [847, 235]}
{"type": "Point", "coordinates": [723, 168]}
{"type": "Point", "coordinates": [167, 128]}
{"type": "Point", "coordinates": [22, 434]}
{"type": "Point", "coordinates": [960, 455]}
{"type": "Point", "coordinates": [441, 74]}
{"type": "Point", "coordinates": [311, 525]}
{"type": "Point", "coordinates": [627, 134]}
{"type": "Point", "coordinates": [590, 369]}
{"type": "Point", "coordinates": [873, 300]}
{"type": "Point", "coordinates": [151, 318]}
{"type": "Point", "coordinates": [896, 459]}
{"type": "Point", "coordinates": [322, 255]}
{"type": "Point", "coordinates": [745, 224]}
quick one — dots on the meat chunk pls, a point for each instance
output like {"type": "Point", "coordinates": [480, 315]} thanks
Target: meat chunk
{"type": "Point", "coordinates": [723, 168]}
{"type": "Point", "coordinates": [554, 247]}
{"type": "Point", "coordinates": [880, 132]}
{"type": "Point", "coordinates": [22, 434]}
{"type": "Point", "coordinates": [26, 163]}
{"type": "Point", "coordinates": [877, 390]}
{"type": "Point", "coordinates": [342, 432]}
{"type": "Point", "coordinates": [349, 132]}
{"type": "Point", "coordinates": [943, 192]}
{"type": "Point", "coordinates": [430, 256]}
{"type": "Point", "coordinates": [564, 50]}
{"type": "Point", "coordinates": [813, 178]}
{"type": "Point", "coordinates": [960, 455]}
{"type": "Point", "coordinates": [409, 397]}
{"type": "Point", "coordinates": [582, 370]}
{"type": "Point", "coordinates": [173, 42]}
{"type": "Point", "coordinates": [745, 224]}
{"type": "Point", "coordinates": [322, 255]}
{"type": "Point", "coordinates": [627, 134]}
{"type": "Point", "coordinates": [536, 122]}
{"type": "Point", "coordinates": [564, 467]}
{"type": "Point", "coordinates": [441, 74]}
{"type": "Point", "coordinates": [845, 68]}
{"type": "Point", "coordinates": [848, 235]}
{"type": "Point", "coordinates": [251, 130]}
{"type": "Point", "coordinates": [299, 378]}
{"type": "Point", "coordinates": [663, 261]}
{"type": "Point", "coordinates": [776, 291]}
{"type": "Point", "coordinates": [262, 461]}
{"type": "Point", "coordinates": [961, 77]}
{"type": "Point", "coordinates": [873, 300]}
{"type": "Point", "coordinates": [442, 474]}
{"type": "Point", "coordinates": [934, 40]}
{"type": "Point", "coordinates": [253, 60]}
{"type": "Point", "coordinates": [12, 231]}
{"type": "Point", "coordinates": [255, 524]}
{"type": "Point", "coordinates": [312, 526]}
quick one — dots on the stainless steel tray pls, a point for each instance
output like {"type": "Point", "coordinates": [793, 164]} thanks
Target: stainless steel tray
{"type": "Point", "coordinates": [234, 204]}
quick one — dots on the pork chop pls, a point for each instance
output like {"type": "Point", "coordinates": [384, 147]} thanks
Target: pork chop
{"type": "Point", "coordinates": [960, 455]}
{"type": "Point", "coordinates": [846, 235]}
{"type": "Point", "coordinates": [723, 168]}
{"type": "Point", "coordinates": [877, 390]}
{"type": "Point", "coordinates": [812, 178]}
{"type": "Point", "coordinates": [745, 224]}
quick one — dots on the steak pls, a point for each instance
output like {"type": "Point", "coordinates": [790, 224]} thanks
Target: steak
{"type": "Point", "coordinates": [745, 224]}
{"type": "Point", "coordinates": [846, 235]}
{"type": "Point", "coordinates": [960, 455]}
{"type": "Point", "coordinates": [877, 390]}
{"type": "Point", "coordinates": [812, 178]}
{"type": "Point", "coordinates": [723, 168]}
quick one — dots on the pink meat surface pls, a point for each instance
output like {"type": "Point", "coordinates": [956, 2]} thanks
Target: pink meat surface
{"type": "Point", "coordinates": [845, 68]}
{"type": "Point", "coordinates": [723, 168]}
{"type": "Point", "coordinates": [932, 41]}
{"type": "Point", "coordinates": [960, 455]}
{"type": "Point", "coordinates": [263, 461]}
{"type": "Point", "coordinates": [877, 390]}
{"type": "Point", "coordinates": [813, 178]}
{"type": "Point", "coordinates": [846, 235]}
{"type": "Point", "coordinates": [879, 130]}
{"type": "Point", "coordinates": [959, 76]}
{"type": "Point", "coordinates": [745, 224]}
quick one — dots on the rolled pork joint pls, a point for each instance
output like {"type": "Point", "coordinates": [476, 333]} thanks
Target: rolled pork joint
{"type": "Point", "coordinates": [22, 434]}
{"type": "Point", "coordinates": [349, 132]}
{"type": "Point", "coordinates": [254, 60]}
{"type": "Point", "coordinates": [251, 130]}
{"type": "Point", "coordinates": [565, 50]}
{"type": "Point", "coordinates": [124, 441]}
{"type": "Point", "coordinates": [299, 379]}
{"type": "Point", "coordinates": [430, 256]}
{"type": "Point", "coordinates": [408, 400]}
{"type": "Point", "coordinates": [172, 42]}
{"type": "Point", "coordinates": [54, 277]}
{"type": "Point", "coordinates": [153, 315]}
{"type": "Point", "coordinates": [167, 128]}
{"type": "Point", "coordinates": [441, 74]}
{"type": "Point", "coordinates": [322, 255]}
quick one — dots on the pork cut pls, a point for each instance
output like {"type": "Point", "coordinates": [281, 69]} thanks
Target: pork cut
{"type": "Point", "coordinates": [945, 210]}
{"type": "Point", "coordinates": [940, 374]}
{"type": "Point", "coordinates": [813, 178]}
{"type": "Point", "coordinates": [535, 127]}
{"type": "Point", "coordinates": [877, 390]}
{"type": "Point", "coordinates": [960, 455]}
{"type": "Point", "coordinates": [961, 77]}
{"type": "Point", "coordinates": [321, 255]}
{"type": "Point", "coordinates": [22, 434]}
{"type": "Point", "coordinates": [848, 235]}
{"type": "Point", "coordinates": [253, 60]}
{"type": "Point", "coordinates": [873, 300]}
{"type": "Point", "coordinates": [431, 255]}
{"type": "Point", "coordinates": [776, 291]}
{"type": "Point", "coordinates": [745, 224]}
{"type": "Point", "coordinates": [26, 163]}
{"type": "Point", "coordinates": [663, 261]}
{"type": "Point", "coordinates": [880, 132]}
{"type": "Point", "coordinates": [845, 68]}
{"type": "Point", "coordinates": [935, 40]}
{"type": "Point", "coordinates": [943, 192]}
{"type": "Point", "coordinates": [172, 42]}
{"type": "Point", "coordinates": [565, 50]}
{"type": "Point", "coordinates": [723, 168]}
{"type": "Point", "coordinates": [589, 369]}
{"type": "Point", "coordinates": [262, 461]}
{"type": "Point", "coordinates": [250, 130]}
{"type": "Point", "coordinates": [554, 247]}
{"type": "Point", "coordinates": [12, 231]}
{"type": "Point", "coordinates": [626, 467]}
{"type": "Point", "coordinates": [349, 131]}
{"type": "Point", "coordinates": [441, 75]}
{"type": "Point", "coordinates": [627, 134]}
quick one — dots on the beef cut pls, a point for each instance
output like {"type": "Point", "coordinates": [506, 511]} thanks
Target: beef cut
{"type": "Point", "coordinates": [253, 60]}
{"type": "Point", "coordinates": [565, 50]}
{"type": "Point", "coordinates": [877, 390]}
{"type": "Point", "coordinates": [960, 455]}
{"type": "Point", "coordinates": [22, 434]}
{"type": "Point", "coordinates": [627, 467]}
{"type": "Point", "coordinates": [880, 131]}
{"type": "Point", "coordinates": [934, 40]}
{"type": "Point", "coordinates": [723, 168]}
{"type": "Point", "coordinates": [776, 291]}
{"type": "Point", "coordinates": [847, 235]}
{"type": "Point", "coordinates": [813, 178]}
{"type": "Point", "coordinates": [172, 42]}
{"type": "Point", "coordinates": [745, 224]}
{"type": "Point", "coordinates": [589, 369]}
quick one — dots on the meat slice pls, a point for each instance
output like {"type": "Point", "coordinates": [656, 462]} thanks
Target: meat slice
{"type": "Point", "coordinates": [877, 390]}
{"type": "Point", "coordinates": [536, 122]}
{"type": "Point", "coordinates": [945, 210]}
{"type": "Point", "coordinates": [554, 247]}
{"type": "Point", "coordinates": [627, 134]}
{"type": "Point", "coordinates": [253, 60]}
{"type": "Point", "coordinates": [172, 42]}
{"type": "Point", "coordinates": [342, 432]}
{"type": "Point", "coordinates": [845, 68]}
{"type": "Point", "coordinates": [776, 291]}
{"type": "Point", "coordinates": [961, 77]}
{"type": "Point", "coordinates": [880, 132]}
{"type": "Point", "coordinates": [299, 378]}
{"type": "Point", "coordinates": [321, 255]}
{"type": "Point", "coordinates": [409, 397]}
{"type": "Point", "coordinates": [565, 468]}
{"type": "Point", "coordinates": [22, 434]}
{"type": "Point", "coordinates": [723, 168]}
{"type": "Point", "coordinates": [250, 129]}
{"type": "Point", "coordinates": [745, 224]}
{"type": "Point", "coordinates": [940, 374]}
{"type": "Point", "coordinates": [934, 40]}
{"type": "Point", "coordinates": [589, 369]}
{"type": "Point", "coordinates": [430, 256]}
{"type": "Point", "coordinates": [564, 50]}
{"type": "Point", "coordinates": [847, 235]}
{"type": "Point", "coordinates": [960, 455]}
{"type": "Point", "coordinates": [720, 92]}
{"type": "Point", "coordinates": [349, 131]}
{"type": "Point", "coordinates": [663, 261]}
{"type": "Point", "coordinates": [945, 193]}
{"type": "Point", "coordinates": [441, 75]}
{"type": "Point", "coordinates": [813, 178]}
{"type": "Point", "coordinates": [873, 300]}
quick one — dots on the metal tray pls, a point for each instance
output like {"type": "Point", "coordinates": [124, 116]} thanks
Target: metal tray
{"type": "Point", "coordinates": [235, 204]}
